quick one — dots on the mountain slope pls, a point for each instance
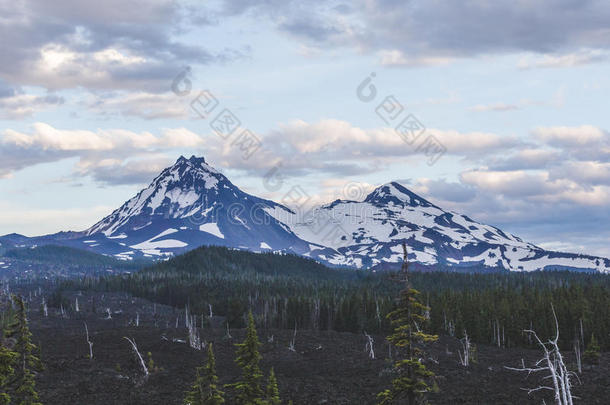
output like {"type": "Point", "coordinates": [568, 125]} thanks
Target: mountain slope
{"type": "Point", "coordinates": [191, 204]}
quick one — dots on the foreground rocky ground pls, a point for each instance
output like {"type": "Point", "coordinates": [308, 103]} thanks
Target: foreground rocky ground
{"type": "Point", "coordinates": [326, 368]}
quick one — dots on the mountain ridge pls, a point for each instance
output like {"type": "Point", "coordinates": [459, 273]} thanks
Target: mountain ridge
{"type": "Point", "coordinates": [191, 204]}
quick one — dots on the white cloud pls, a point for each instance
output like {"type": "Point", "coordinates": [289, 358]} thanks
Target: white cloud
{"type": "Point", "coordinates": [571, 136]}
{"type": "Point", "coordinates": [19, 106]}
{"type": "Point", "coordinates": [510, 183]}
{"type": "Point", "coordinates": [583, 172]}
{"type": "Point", "coordinates": [329, 146]}
{"type": "Point", "coordinates": [578, 58]}
{"type": "Point", "coordinates": [140, 104]}
{"type": "Point", "coordinates": [397, 57]}
{"type": "Point", "coordinates": [45, 143]}
{"type": "Point", "coordinates": [497, 107]}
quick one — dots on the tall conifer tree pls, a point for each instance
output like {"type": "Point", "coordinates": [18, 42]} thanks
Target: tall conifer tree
{"type": "Point", "coordinates": [205, 389]}
{"type": "Point", "coordinates": [408, 320]}
{"type": "Point", "coordinates": [25, 362]}
{"type": "Point", "coordinates": [249, 388]}
{"type": "Point", "coordinates": [273, 392]}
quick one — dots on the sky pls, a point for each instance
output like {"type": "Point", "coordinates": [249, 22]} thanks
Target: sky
{"type": "Point", "coordinates": [494, 109]}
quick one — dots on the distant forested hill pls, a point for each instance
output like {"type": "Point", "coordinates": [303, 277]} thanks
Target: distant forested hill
{"type": "Point", "coordinates": [68, 256]}
{"type": "Point", "coordinates": [284, 290]}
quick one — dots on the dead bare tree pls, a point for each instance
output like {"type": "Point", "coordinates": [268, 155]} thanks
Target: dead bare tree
{"type": "Point", "coordinates": [578, 355]}
{"type": "Point", "coordinates": [369, 346]}
{"type": "Point", "coordinates": [135, 349]}
{"type": "Point", "coordinates": [294, 337]}
{"type": "Point", "coordinates": [228, 333]}
{"type": "Point", "coordinates": [45, 308]}
{"type": "Point", "coordinates": [465, 352]}
{"type": "Point", "coordinates": [553, 363]}
{"type": "Point", "coordinates": [89, 342]}
{"type": "Point", "coordinates": [579, 344]}
{"type": "Point", "coordinates": [377, 312]}
{"type": "Point", "coordinates": [193, 333]}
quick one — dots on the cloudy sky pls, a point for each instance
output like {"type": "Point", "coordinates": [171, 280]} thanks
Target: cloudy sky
{"type": "Point", "coordinates": [97, 97]}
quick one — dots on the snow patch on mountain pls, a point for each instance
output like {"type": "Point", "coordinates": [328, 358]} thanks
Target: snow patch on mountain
{"type": "Point", "coordinates": [212, 228]}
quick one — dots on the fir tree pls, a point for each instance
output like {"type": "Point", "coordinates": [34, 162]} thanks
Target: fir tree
{"type": "Point", "coordinates": [408, 320]}
{"type": "Point", "coordinates": [273, 392]}
{"type": "Point", "coordinates": [249, 391]}
{"type": "Point", "coordinates": [23, 382]}
{"type": "Point", "coordinates": [205, 390]}
{"type": "Point", "coordinates": [7, 359]}
{"type": "Point", "coordinates": [592, 353]}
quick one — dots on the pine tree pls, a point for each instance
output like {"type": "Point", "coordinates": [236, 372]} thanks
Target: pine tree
{"type": "Point", "coordinates": [249, 391]}
{"type": "Point", "coordinates": [205, 390]}
{"type": "Point", "coordinates": [23, 382]}
{"type": "Point", "coordinates": [592, 353]}
{"type": "Point", "coordinates": [273, 392]}
{"type": "Point", "coordinates": [408, 319]}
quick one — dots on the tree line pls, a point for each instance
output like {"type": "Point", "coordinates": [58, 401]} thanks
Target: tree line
{"type": "Point", "coordinates": [283, 290]}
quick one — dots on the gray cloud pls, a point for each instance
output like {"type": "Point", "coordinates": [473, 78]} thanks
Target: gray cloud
{"type": "Point", "coordinates": [139, 171]}
{"type": "Point", "coordinates": [106, 45]}
{"type": "Point", "coordinates": [6, 90]}
{"type": "Point", "coordinates": [16, 105]}
{"type": "Point", "coordinates": [448, 29]}
{"type": "Point", "coordinates": [447, 191]}
{"type": "Point", "coordinates": [525, 159]}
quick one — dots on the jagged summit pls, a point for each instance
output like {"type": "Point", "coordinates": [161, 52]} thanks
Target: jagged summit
{"type": "Point", "coordinates": [193, 159]}
{"type": "Point", "coordinates": [194, 163]}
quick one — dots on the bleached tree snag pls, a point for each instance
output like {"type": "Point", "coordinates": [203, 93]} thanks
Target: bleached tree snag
{"type": "Point", "coordinates": [377, 312]}
{"type": "Point", "coordinates": [553, 363]}
{"type": "Point", "coordinates": [89, 342]}
{"type": "Point", "coordinates": [465, 352]}
{"type": "Point", "coordinates": [228, 334]}
{"type": "Point", "coordinates": [193, 334]}
{"type": "Point", "coordinates": [294, 337]}
{"type": "Point", "coordinates": [45, 308]}
{"type": "Point", "coordinates": [578, 355]}
{"type": "Point", "coordinates": [137, 319]}
{"type": "Point", "coordinates": [369, 346]}
{"type": "Point", "coordinates": [108, 314]}
{"type": "Point", "coordinates": [135, 349]}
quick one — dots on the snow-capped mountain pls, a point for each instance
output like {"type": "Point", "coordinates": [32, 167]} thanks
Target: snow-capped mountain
{"type": "Point", "coordinates": [191, 204]}
{"type": "Point", "coordinates": [188, 205]}
{"type": "Point", "coordinates": [370, 233]}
